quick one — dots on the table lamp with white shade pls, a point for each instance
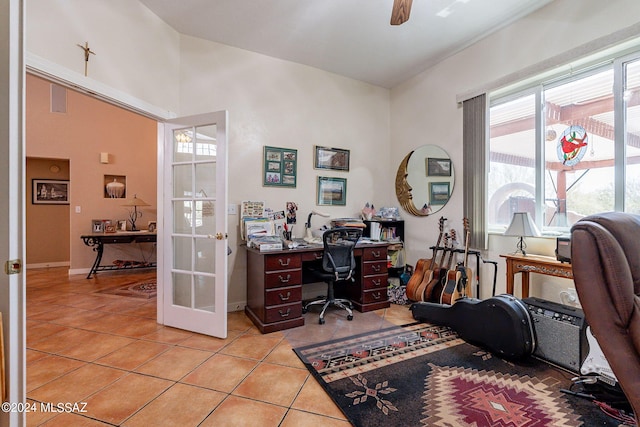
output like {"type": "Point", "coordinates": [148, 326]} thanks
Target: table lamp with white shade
{"type": "Point", "coordinates": [522, 226]}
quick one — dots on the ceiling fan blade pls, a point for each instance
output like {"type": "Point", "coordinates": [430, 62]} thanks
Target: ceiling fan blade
{"type": "Point", "coordinates": [401, 11]}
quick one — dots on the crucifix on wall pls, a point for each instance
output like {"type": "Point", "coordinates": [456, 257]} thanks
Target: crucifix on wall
{"type": "Point", "coordinates": [87, 51]}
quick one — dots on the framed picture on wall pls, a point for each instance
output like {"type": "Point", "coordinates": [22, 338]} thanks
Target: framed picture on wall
{"type": "Point", "coordinates": [332, 191]}
{"type": "Point", "coordinates": [438, 167]}
{"type": "Point", "coordinates": [438, 192]}
{"type": "Point", "coordinates": [280, 167]}
{"type": "Point", "coordinates": [50, 192]}
{"type": "Point", "coordinates": [331, 158]}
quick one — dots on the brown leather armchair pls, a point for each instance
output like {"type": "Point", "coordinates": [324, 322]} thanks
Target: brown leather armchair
{"type": "Point", "coordinates": [605, 257]}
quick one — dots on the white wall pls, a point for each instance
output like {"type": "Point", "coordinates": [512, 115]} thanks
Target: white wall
{"type": "Point", "coordinates": [270, 102]}
{"type": "Point", "coordinates": [279, 103]}
{"type": "Point", "coordinates": [274, 102]}
{"type": "Point", "coordinates": [424, 108]}
{"type": "Point", "coordinates": [135, 51]}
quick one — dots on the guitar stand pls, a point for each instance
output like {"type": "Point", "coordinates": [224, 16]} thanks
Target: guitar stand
{"type": "Point", "coordinates": [495, 274]}
{"type": "Point", "coordinates": [478, 258]}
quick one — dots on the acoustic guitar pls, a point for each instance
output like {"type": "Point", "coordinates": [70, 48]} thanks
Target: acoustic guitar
{"type": "Point", "coordinates": [457, 279]}
{"type": "Point", "coordinates": [434, 288]}
{"type": "Point", "coordinates": [435, 266]}
{"type": "Point", "coordinates": [416, 278]}
{"type": "Point", "coordinates": [467, 273]}
{"type": "Point", "coordinates": [414, 290]}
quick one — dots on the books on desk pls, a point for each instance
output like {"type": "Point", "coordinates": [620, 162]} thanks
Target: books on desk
{"type": "Point", "coordinates": [265, 243]}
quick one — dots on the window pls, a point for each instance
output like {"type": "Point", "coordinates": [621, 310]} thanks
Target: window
{"type": "Point", "coordinates": [563, 150]}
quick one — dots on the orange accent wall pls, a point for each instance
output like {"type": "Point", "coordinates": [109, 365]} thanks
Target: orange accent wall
{"type": "Point", "coordinates": [48, 223]}
{"type": "Point", "coordinates": [90, 127]}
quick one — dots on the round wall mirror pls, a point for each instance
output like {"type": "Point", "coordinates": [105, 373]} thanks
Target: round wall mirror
{"type": "Point", "coordinates": [424, 181]}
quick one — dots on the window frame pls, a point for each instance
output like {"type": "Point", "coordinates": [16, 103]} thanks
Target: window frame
{"type": "Point", "coordinates": [537, 88]}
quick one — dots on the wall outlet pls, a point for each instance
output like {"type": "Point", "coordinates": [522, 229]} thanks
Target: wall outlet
{"type": "Point", "coordinates": [569, 297]}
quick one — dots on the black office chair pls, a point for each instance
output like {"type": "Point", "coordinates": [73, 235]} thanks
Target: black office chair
{"type": "Point", "coordinates": [338, 265]}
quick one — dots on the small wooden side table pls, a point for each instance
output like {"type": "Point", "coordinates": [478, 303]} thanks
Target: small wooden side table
{"type": "Point", "coordinates": [526, 264]}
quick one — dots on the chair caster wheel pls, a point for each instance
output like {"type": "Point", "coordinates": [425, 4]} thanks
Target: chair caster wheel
{"type": "Point", "coordinates": [304, 310]}
{"type": "Point", "coordinates": [349, 317]}
{"type": "Point", "coordinates": [321, 321]}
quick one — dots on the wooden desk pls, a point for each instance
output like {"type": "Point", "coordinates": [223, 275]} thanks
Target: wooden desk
{"type": "Point", "coordinates": [533, 264]}
{"type": "Point", "coordinates": [275, 278]}
{"type": "Point", "coordinates": [98, 240]}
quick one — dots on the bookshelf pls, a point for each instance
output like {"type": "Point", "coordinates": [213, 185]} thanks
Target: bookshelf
{"type": "Point", "coordinates": [391, 231]}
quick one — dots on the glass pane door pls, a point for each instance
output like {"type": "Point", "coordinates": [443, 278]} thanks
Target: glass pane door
{"type": "Point", "coordinates": [194, 296]}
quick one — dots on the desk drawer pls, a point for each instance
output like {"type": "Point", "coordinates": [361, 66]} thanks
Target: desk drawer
{"type": "Point", "coordinates": [372, 254]}
{"type": "Point", "coordinates": [312, 256]}
{"type": "Point", "coordinates": [369, 268]}
{"type": "Point", "coordinates": [278, 279]}
{"type": "Point", "coordinates": [145, 238]}
{"type": "Point", "coordinates": [282, 262]}
{"type": "Point", "coordinates": [286, 295]}
{"type": "Point", "coordinates": [283, 312]}
{"type": "Point", "coordinates": [374, 282]}
{"type": "Point", "coordinates": [117, 239]}
{"type": "Point", "coordinates": [376, 295]}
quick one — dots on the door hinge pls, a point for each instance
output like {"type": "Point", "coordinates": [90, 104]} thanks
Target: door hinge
{"type": "Point", "coordinates": [13, 266]}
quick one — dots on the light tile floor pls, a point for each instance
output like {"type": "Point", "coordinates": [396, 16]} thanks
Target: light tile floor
{"type": "Point", "coordinates": [109, 352]}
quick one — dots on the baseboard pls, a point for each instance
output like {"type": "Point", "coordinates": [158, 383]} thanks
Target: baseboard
{"type": "Point", "coordinates": [79, 271]}
{"type": "Point", "coordinates": [235, 306]}
{"type": "Point", "coordinates": [48, 265]}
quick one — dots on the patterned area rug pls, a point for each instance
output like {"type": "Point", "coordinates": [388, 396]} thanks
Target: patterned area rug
{"type": "Point", "coordinates": [144, 289]}
{"type": "Point", "coordinates": [424, 375]}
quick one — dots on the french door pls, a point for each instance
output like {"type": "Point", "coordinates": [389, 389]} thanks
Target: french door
{"type": "Point", "coordinates": [12, 280]}
{"type": "Point", "coordinates": [192, 194]}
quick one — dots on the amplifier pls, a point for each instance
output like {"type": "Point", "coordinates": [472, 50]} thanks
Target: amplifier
{"type": "Point", "coordinates": [560, 333]}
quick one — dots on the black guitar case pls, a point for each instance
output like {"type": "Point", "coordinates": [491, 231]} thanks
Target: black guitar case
{"type": "Point", "coordinates": [501, 324]}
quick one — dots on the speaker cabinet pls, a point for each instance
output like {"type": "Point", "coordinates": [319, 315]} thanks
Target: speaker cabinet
{"type": "Point", "coordinates": [560, 333]}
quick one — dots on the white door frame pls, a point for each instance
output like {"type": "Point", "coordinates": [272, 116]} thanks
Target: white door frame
{"type": "Point", "coordinates": [12, 194]}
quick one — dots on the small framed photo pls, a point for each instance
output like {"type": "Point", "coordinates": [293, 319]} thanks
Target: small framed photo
{"type": "Point", "coordinates": [121, 225]}
{"type": "Point", "coordinates": [439, 192]}
{"type": "Point", "coordinates": [109, 228]}
{"type": "Point", "coordinates": [50, 192]}
{"type": "Point", "coordinates": [332, 191]}
{"type": "Point", "coordinates": [97, 226]}
{"type": "Point", "coordinates": [151, 226]}
{"type": "Point", "coordinates": [438, 166]}
{"type": "Point", "coordinates": [331, 158]}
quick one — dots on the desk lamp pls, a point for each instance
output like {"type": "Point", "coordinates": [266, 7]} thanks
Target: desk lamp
{"type": "Point", "coordinates": [309, 235]}
{"type": "Point", "coordinates": [522, 226]}
{"type": "Point", "coordinates": [135, 214]}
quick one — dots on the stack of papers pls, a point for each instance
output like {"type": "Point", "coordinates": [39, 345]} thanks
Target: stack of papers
{"type": "Point", "coordinates": [347, 222]}
{"type": "Point", "coordinates": [265, 243]}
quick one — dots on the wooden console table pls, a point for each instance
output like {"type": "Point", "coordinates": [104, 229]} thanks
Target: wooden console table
{"type": "Point", "coordinates": [98, 240]}
{"type": "Point", "coordinates": [533, 264]}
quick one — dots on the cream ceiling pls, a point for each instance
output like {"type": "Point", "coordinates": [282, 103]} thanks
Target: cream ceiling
{"type": "Point", "coordinates": [352, 38]}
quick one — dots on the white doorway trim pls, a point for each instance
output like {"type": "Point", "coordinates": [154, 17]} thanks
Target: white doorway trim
{"type": "Point", "coordinates": [53, 72]}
